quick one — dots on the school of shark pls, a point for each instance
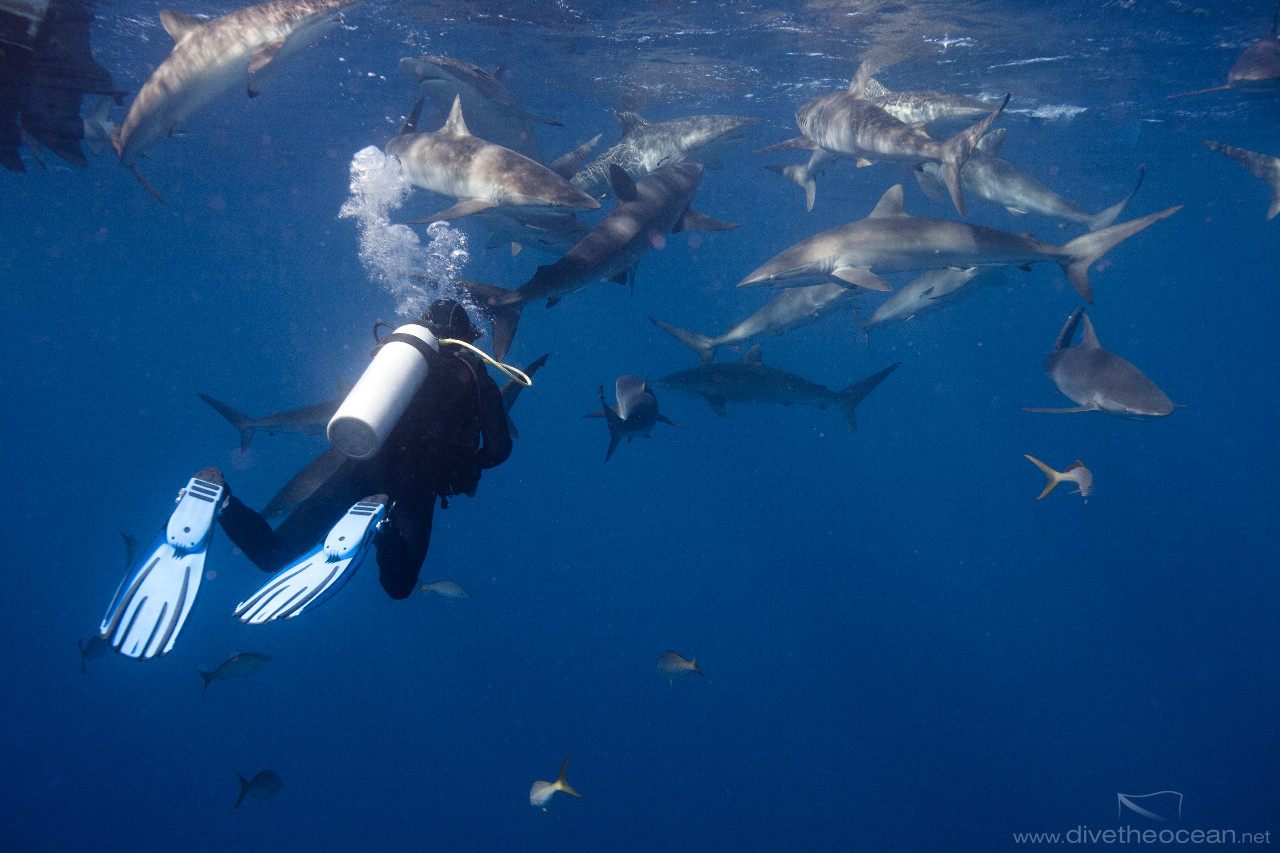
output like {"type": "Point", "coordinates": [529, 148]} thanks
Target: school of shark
{"type": "Point", "coordinates": [470, 150]}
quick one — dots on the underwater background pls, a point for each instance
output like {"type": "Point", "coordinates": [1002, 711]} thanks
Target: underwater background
{"type": "Point", "coordinates": [904, 650]}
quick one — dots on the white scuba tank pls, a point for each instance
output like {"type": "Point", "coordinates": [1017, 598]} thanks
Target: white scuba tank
{"type": "Point", "coordinates": [369, 413]}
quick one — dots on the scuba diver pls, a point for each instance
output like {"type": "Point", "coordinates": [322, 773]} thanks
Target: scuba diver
{"type": "Point", "coordinates": [423, 422]}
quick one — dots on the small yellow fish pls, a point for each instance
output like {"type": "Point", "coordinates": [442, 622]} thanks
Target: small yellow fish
{"type": "Point", "coordinates": [673, 666]}
{"type": "Point", "coordinates": [1075, 473]}
{"type": "Point", "coordinates": [542, 792]}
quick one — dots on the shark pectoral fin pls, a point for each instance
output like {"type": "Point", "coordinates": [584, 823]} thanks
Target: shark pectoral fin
{"type": "Point", "coordinates": [717, 405]}
{"type": "Point", "coordinates": [619, 278]}
{"type": "Point", "coordinates": [863, 162]}
{"type": "Point", "coordinates": [1025, 267]}
{"type": "Point", "coordinates": [466, 207]}
{"type": "Point", "coordinates": [666, 420]}
{"type": "Point", "coordinates": [552, 301]}
{"type": "Point", "coordinates": [799, 143]}
{"type": "Point", "coordinates": [931, 187]}
{"type": "Point", "coordinates": [624, 186]}
{"type": "Point", "coordinates": [178, 24]}
{"type": "Point", "coordinates": [696, 221]}
{"type": "Point", "coordinates": [1092, 407]}
{"type": "Point", "coordinates": [541, 119]}
{"type": "Point", "coordinates": [1015, 211]}
{"type": "Point", "coordinates": [515, 248]}
{"type": "Point", "coordinates": [261, 58]}
{"type": "Point", "coordinates": [859, 277]}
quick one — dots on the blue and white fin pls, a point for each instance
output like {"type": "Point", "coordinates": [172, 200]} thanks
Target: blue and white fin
{"type": "Point", "coordinates": [316, 576]}
{"type": "Point", "coordinates": [155, 597]}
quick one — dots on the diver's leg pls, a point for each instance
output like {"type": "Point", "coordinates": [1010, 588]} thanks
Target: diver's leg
{"type": "Point", "coordinates": [271, 550]}
{"type": "Point", "coordinates": [402, 546]}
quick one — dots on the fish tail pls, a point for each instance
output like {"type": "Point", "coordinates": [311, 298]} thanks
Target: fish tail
{"type": "Point", "coordinates": [503, 308]}
{"type": "Point", "coordinates": [208, 679]}
{"type": "Point", "coordinates": [850, 397]}
{"type": "Point", "coordinates": [1084, 250]}
{"type": "Point", "coordinates": [1053, 476]}
{"type": "Point", "coordinates": [562, 781]}
{"type": "Point", "coordinates": [802, 176]}
{"type": "Point", "coordinates": [244, 789]}
{"type": "Point", "coordinates": [704, 346]}
{"type": "Point", "coordinates": [1104, 218]}
{"type": "Point", "coordinates": [956, 151]}
{"type": "Point", "coordinates": [235, 417]}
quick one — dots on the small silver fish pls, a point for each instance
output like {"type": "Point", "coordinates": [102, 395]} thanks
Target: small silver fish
{"type": "Point", "coordinates": [452, 590]}
{"type": "Point", "coordinates": [264, 786]}
{"type": "Point", "coordinates": [237, 665]}
{"type": "Point", "coordinates": [542, 792]}
{"type": "Point", "coordinates": [1075, 473]}
{"type": "Point", "coordinates": [673, 666]}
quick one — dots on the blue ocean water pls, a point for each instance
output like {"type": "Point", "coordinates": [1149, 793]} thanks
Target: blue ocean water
{"type": "Point", "coordinates": [904, 650]}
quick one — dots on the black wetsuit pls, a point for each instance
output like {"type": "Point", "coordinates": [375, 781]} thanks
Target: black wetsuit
{"type": "Point", "coordinates": [434, 451]}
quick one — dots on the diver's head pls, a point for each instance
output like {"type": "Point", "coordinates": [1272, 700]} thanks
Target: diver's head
{"type": "Point", "coordinates": [446, 318]}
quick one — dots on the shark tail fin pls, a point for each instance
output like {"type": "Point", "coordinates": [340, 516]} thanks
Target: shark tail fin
{"type": "Point", "coordinates": [235, 417]}
{"type": "Point", "coordinates": [244, 789]}
{"type": "Point", "coordinates": [1054, 477]}
{"type": "Point", "coordinates": [613, 421]}
{"type": "Point", "coordinates": [800, 174]}
{"type": "Point", "coordinates": [1084, 250]}
{"type": "Point", "coordinates": [1105, 218]}
{"type": "Point", "coordinates": [956, 151]}
{"type": "Point", "coordinates": [858, 391]}
{"type": "Point", "coordinates": [503, 308]}
{"type": "Point", "coordinates": [704, 346]}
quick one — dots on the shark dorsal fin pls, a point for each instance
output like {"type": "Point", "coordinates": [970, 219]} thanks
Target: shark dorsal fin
{"type": "Point", "coordinates": [753, 356]}
{"type": "Point", "coordinates": [890, 204]}
{"type": "Point", "coordinates": [178, 24]}
{"type": "Point", "coordinates": [858, 88]}
{"type": "Point", "coordinates": [990, 144]}
{"type": "Point", "coordinates": [1088, 337]}
{"type": "Point", "coordinates": [629, 121]}
{"type": "Point", "coordinates": [456, 126]}
{"type": "Point", "coordinates": [623, 186]}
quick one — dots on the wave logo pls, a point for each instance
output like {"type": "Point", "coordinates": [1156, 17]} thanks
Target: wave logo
{"type": "Point", "coordinates": [1161, 806]}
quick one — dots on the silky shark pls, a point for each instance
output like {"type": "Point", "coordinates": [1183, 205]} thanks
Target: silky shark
{"type": "Point", "coordinates": [790, 309]}
{"type": "Point", "coordinates": [492, 112]}
{"type": "Point", "coordinates": [849, 124]}
{"type": "Point", "coordinates": [925, 107]}
{"type": "Point", "coordinates": [480, 174]}
{"type": "Point", "coordinates": [750, 380]}
{"type": "Point", "coordinates": [310, 478]}
{"type": "Point", "coordinates": [889, 240]}
{"type": "Point", "coordinates": [930, 291]}
{"type": "Point", "coordinates": [212, 57]}
{"type": "Point", "coordinates": [657, 204]}
{"type": "Point", "coordinates": [308, 420]}
{"type": "Point", "coordinates": [990, 177]}
{"type": "Point", "coordinates": [645, 146]}
{"type": "Point", "coordinates": [1098, 380]}
{"type": "Point", "coordinates": [1257, 71]}
{"type": "Point", "coordinates": [635, 414]}
{"type": "Point", "coordinates": [1263, 166]}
